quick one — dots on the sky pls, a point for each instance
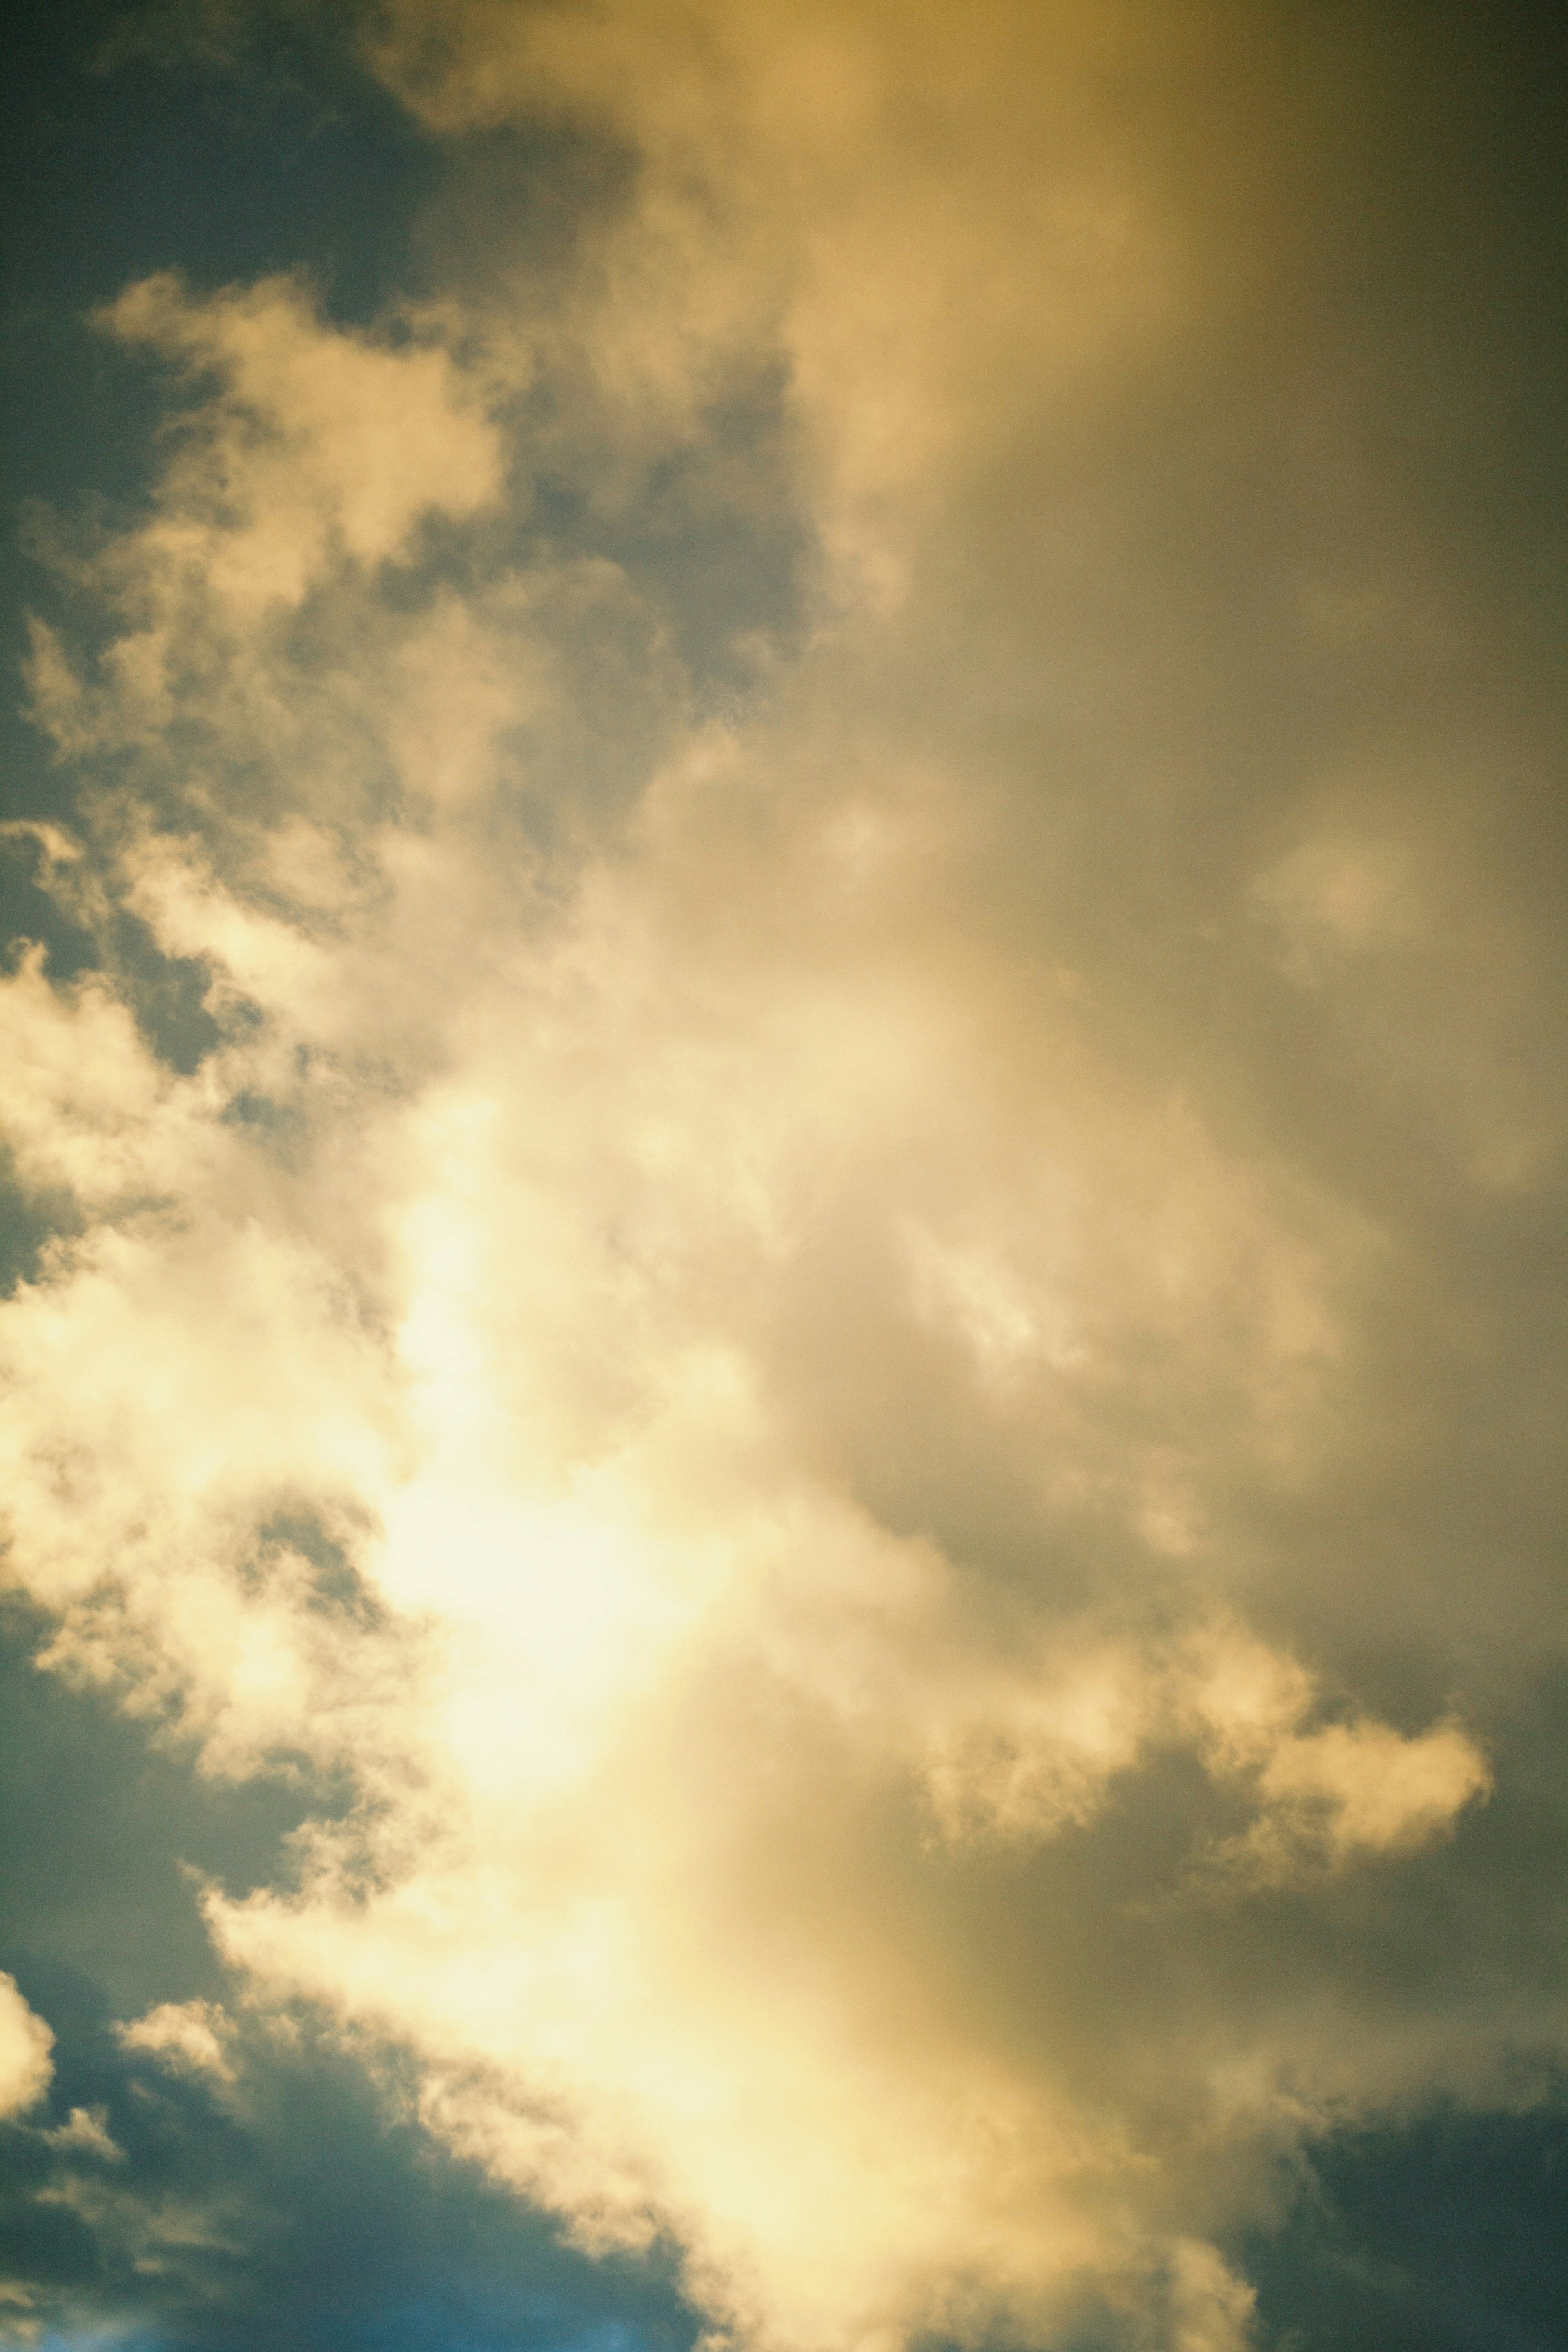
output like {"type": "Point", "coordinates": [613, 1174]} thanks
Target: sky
{"type": "Point", "coordinates": [785, 1127]}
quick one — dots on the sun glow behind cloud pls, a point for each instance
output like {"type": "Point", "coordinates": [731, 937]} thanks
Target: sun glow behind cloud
{"type": "Point", "coordinates": [707, 1331]}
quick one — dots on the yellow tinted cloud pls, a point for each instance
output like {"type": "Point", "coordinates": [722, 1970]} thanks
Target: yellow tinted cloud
{"type": "Point", "coordinates": [26, 2067]}
{"type": "Point", "coordinates": [726, 1348]}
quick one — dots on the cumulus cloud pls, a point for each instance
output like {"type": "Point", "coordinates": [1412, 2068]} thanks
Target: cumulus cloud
{"type": "Point", "coordinates": [188, 2035]}
{"type": "Point", "coordinates": [26, 2067]}
{"type": "Point", "coordinates": [787, 1325]}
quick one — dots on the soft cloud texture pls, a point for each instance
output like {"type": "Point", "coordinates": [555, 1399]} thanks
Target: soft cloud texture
{"type": "Point", "coordinates": [839, 1334]}
{"type": "Point", "coordinates": [188, 2035]}
{"type": "Point", "coordinates": [24, 2045]}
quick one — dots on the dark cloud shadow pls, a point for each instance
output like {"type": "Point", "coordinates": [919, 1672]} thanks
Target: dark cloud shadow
{"type": "Point", "coordinates": [1449, 2234]}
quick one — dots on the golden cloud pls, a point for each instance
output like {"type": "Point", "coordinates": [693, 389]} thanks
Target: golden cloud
{"type": "Point", "coordinates": [731, 1358]}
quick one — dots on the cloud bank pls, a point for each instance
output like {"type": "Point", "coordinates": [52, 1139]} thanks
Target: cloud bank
{"type": "Point", "coordinates": [851, 1302]}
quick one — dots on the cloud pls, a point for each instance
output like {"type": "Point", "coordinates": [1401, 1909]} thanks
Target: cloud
{"type": "Point", "coordinates": [85, 2132]}
{"type": "Point", "coordinates": [186, 2035]}
{"type": "Point", "coordinates": [167, 2207]}
{"type": "Point", "coordinates": [313, 441]}
{"type": "Point", "coordinates": [24, 2044]}
{"type": "Point", "coordinates": [836, 1345]}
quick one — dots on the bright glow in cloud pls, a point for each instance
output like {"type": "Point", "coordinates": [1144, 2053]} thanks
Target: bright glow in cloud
{"type": "Point", "coordinates": [26, 2067]}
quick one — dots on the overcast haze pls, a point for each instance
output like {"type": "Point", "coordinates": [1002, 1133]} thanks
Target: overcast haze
{"type": "Point", "coordinates": [783, 1067]}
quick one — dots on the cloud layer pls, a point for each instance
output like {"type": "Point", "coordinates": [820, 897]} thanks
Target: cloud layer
{"type": "Point", "coordinates": [853, 1305]}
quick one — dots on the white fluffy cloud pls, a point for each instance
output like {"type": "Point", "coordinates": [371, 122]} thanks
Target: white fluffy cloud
{"type": "Point", "coordinates": [26, 2066]}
